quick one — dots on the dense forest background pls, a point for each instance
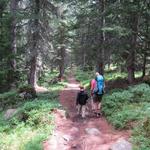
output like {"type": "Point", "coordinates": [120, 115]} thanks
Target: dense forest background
{"type": "Point", "coordinates": [37, 36]}
{"type": "Point", "coordinates": [44, 42]}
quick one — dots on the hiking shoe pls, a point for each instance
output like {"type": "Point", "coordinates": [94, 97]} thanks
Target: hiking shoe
{"type": "Point", "coordinates": [99, 114]}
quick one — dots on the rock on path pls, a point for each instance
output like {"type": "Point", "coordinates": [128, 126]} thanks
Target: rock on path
{"type": "Point", "coordinates": [9, 113]}
{"type": "Point", "coordinates": [121, 144]}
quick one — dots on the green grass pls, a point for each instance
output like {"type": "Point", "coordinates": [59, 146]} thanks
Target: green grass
{"type": "Point", "coordinates": [58, 86]}
{"type": "Point", "coordinates": [10, 98]}
{"type": "Point", "coordinates": [128, 109]}
{"type": "Point", "coordinates": [141, 135]}
{"type": "Point", "coordinates": [33, 122]}
{"type": "Point", "coordinates": [30, 126]}
{"type": "Point", "coordinates": [122, 107]}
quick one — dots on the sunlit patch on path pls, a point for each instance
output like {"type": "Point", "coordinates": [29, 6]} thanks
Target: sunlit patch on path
{"type": "Point", "coordinates": [40, 89]}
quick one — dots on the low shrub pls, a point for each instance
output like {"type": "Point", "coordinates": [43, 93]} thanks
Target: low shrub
{"type": "Point", "coordinates": [27, 89]}
{"type": "Point", "coordinates": [125, 117]}
{"type": "Point", "coordinates": [141, 93]}
{"type": "Point", "coordinates": [30, 125]}
{"type": "Point", "coordinates": [8, 99]}
{"type": "Point", "coordinates": [146, 127]}
{"type": "Point", "coordinates": [141, 135]}
{"type": "Point", "coordinates": [124, 107]}
{"type": "Point", "coordinates": [113, 102]}
{"type": "Point", "coordinates": [36, 113]}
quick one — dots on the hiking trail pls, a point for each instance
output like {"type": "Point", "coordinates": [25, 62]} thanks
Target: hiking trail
{"type": "Point", "coordinates": [75, 133]}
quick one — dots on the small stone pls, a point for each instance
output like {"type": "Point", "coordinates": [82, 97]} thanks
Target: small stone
{"type": "Point", "coordinates": [92, 131]}
{"type": "Point", "coordinates": [121, 144]}
{"type": "Point", "coordinates": [62, 113]}
{"type": "Point", "coordinates": [74, 146]}
{"type": "Point", "coordinates": [28, 96]}
{"type": "Point", "coordinates": [9, 113]}
{"type": "Point", "coordinates": [67, 138]}
{"type": "Point", "coordinates": [22, 94]}
{"type": "Point", "coordinates": [74, 130]}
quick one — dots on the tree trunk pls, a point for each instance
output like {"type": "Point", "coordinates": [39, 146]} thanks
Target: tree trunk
{"type": "Point", "coordinates": [144, 65]}
{"type": "Point", "coordinates": [34, 48]}
{"type": "Point", "coordinates": [101, 37]}
{"type": "Point", "coordinates": [130, 69]}
{"type": "Point", "coordinates": [146, 47]}
{"type": "Point", "coordinates": [33, 72]}
{"type": "Point", "coordinates": [62, 62]}
{"type": "Point", "coordinates": [62, 51]}
{"type": "Point", "coordinates": [13, 42]}
{"type": "Point", "coordinates": [83, 52]}
{"type": "Point", "coordinates": [131, 57]}
{"type": "Point", "coordinates": [13, 8]}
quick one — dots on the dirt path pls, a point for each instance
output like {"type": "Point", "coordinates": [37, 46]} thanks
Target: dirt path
{"type": "Point", "coordinates": [75, 133]}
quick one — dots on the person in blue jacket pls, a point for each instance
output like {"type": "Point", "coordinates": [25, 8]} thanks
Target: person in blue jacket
{"type": "Point", "coordinates": [98, 93]}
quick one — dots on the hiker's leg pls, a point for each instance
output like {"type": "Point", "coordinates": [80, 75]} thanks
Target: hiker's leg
{"type": "Point", "coordinates": [94, 106]}
{"type": "Point", "coordinates": [95, 111]}
{"type": "Point", "coordinates": [92, 103]}
{"type": "Point", "coordinates": [98, 112]}
{"type": "Point", "coordinates": [83, 111]}
{"type": "Point", "coordinates": [99, 106]}
{"type": "Point", "coordinates": [79, 109]}
{"type": "Point", "coordinates": [99, 100]}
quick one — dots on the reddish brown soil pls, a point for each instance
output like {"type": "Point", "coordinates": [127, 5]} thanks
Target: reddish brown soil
{"type": "Point", "coordinates": [70, 132]}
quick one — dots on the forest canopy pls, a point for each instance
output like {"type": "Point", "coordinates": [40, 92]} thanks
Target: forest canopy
{"type": "Point", "coordinates": [37, 36]}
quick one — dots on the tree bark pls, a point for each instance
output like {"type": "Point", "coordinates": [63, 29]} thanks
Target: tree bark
{"type": "Point", "coordinates": [131, 56]}
{"type": "Point", "coordinates": [33, 73]}
{"type": "Point", "coordinates": [101, 37]}
{"type": "Point", "coordinates": [13, 8]}
{"type": "Point", "coordinates": [13, 43]}
{"type": "Point", "coordinates": [146, 47]}
{"type": "Point", "coordinates": [62, 51]}
{"type": "Point", "coordinates": [62, 62]}
{"type": "Point", "coordinates": [144, 65]}
{"type": "Point", "coordinates": [34, 48]}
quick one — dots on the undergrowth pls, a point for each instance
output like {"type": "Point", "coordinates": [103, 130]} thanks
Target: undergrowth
{"type": "Point", "coordinates": [86, 76]}
{"type": "Point", "coordinates": [32, 123]}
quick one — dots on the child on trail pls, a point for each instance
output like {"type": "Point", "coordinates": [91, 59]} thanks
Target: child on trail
{"type": "Point", "coordinates": [81, 101]}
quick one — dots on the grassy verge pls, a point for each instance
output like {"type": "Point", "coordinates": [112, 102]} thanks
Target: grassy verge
{"type": "Point", "coordinates": [130, 109]}
{"type": "Point", "coordinates": [30, 125]}
{"type": "Point", "coordinates": [33, 121]}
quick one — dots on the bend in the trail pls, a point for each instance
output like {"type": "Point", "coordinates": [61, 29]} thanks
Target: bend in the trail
{"type": "Point", "coordinates": [77, 133]}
